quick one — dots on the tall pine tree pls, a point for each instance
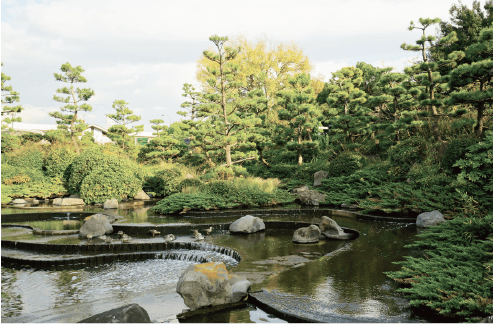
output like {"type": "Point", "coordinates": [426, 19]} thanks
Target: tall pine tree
{"type": "Point", "coordinates": [68, 116]}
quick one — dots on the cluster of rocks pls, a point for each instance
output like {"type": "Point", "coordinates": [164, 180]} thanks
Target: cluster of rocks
{"type": "Point", "coordinates": [327, 228]}
{"type": "Point", "coordinates": [97, 225]}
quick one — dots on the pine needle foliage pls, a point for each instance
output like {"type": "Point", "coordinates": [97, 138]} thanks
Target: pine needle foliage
{"type": "Point", "coordinates": [454, 276]}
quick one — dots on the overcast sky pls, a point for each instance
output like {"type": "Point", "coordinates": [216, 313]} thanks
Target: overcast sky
{"type": "Point", "coordinates": [144, 51]}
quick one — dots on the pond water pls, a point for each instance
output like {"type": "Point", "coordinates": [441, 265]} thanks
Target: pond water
{"type": "Point", "coordinates": [342, 279]}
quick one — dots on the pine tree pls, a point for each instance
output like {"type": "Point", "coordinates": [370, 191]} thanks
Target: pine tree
{"type": "Point", "coordinates": [473, 83]}
{"type": "Point", "coordinates": [223, 107]}
{"type": "Point", "coordinates": [395, 100]}
{"type": "Point", "coordinates": [347, 116]}
{"type": "Point", "coordinates": [9, 97]}
{"type": "Point", "coordinates": [158, 127]}
{"type": "Point", "coordinates": [426, 73]}
{"type": "Point", "coordinates": [76, 126]}
{"type": "Point", "coordinates": [300, 110]}
{"type": "Point", "coordinates": [123, 117]}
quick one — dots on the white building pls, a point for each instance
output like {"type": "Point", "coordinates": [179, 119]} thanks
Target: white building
{"type": "Point", "coordinates": [98, 132]}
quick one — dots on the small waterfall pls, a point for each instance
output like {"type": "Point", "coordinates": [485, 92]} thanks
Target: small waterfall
{"type": "Point", "coordinates": [196, 255]}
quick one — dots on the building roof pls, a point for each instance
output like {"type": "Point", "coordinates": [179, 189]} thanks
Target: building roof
{"type": "Point", "coordinates": [25, 127]}
{"type": "Point", "coordinates": [143, 134]}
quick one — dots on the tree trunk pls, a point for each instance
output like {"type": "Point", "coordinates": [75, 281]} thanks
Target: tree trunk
{"type": "Point", "coordinates": [227, 148]}
{"type": "Point", "coordinates": [261, 153]}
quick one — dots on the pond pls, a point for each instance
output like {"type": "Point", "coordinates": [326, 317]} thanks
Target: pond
{"type": "Point", "coordinates": [333, 280]}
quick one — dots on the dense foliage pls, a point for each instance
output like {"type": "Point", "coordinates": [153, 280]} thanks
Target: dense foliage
{"type": "Point", "coordinates": [455, 277]}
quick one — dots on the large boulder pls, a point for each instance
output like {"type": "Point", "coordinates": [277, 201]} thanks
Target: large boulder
{"type": "Point", "coordinates": [96, 225]}
{"type": "Point", "coordinates": [141, 196]}
{"type": "Point", "coordinates": [205, 284]}
{"type": "Point", "coordinates": [429, 219]}
{"type": "Point", "coordinates": [308, 234]}
{"type": "Point", "coordinates": [132, 313]}
{"type": "Point", "coordinates": [311, 197]}
{"type": "Point", "coordinates": [247, 224]}
{"type": "Point", "coordinates": [330, 229]}
{"type": "Point", "coordinates": [110, 203]}
{"type": "Point", "coordinates": [318, 177]}
{"type": "Point", "coordinates": [68, 202]}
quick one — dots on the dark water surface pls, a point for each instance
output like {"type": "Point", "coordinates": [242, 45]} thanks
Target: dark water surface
{"type": "Point", "coordinates": [343, 278]}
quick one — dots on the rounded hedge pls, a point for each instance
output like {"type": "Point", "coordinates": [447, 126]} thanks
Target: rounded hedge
{"type": "Point", "coordinates": [57, 161]}
{"type": "Point", "coordinates": [345, 164]}
{"type": "Point", "coordinates": [109, 183]}
{"type": "Point", "coordinates": [83, 165]}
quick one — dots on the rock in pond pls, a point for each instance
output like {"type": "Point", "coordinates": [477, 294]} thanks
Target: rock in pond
{"type": "Point", "coordinates": [141, 196]}
{"type": "Point", "coordinates": [429, 219]}
{"type": "Point", "coordinates": [240, 287]}
{"type": "Point", "coordinates": [318, 177]}
{"type": "Point", "coordinates": [18, 202]}
{"type": "Point", "coordinates": [68, 202]}
{"type": "Point", "coordinates": [132, 313]}
{"type": "Point", "coordinates": [330, 229]}
{"type": "Point", "coordinates": [308, 234]}
{"type": "Point", "coordinates": [96, 225]}
{"type": "Point", "coordinates": [247, 224]}
{"type": "Point", "coordinates": [210, 284]}
{"type": "Point", "coordinates": [110, 203]}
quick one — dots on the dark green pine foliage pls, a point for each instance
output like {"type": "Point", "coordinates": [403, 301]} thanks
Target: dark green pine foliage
{"type": "Point", "coordinates": [427, 72]}
{"type": "Point", "coordinates": [68, 117]}
{"type": "Point", "coordinates": [9, 97]}
{"type": "Point", "coordinates": [454, 277]}
{"type": "Point", "coordinates": [346, 116]}
{"type": "Point", "coordinates": [467, 23]}
{"type": "Point", "coordinates": [473, 83]}
{"type": "Point", "coordinates": [394, 100]}
{"type": "Point", "coordinates": [120, 133]}
{"type": "Point", "coordinates": [302, 114]}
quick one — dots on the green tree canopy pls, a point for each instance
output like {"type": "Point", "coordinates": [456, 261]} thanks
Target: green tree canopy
{"type": "Point", "coordinates": [68, 115]}
{"type": "Point", "coordinates": [9, 97]}
{"type": "Point", "coordinates": [123, 117]}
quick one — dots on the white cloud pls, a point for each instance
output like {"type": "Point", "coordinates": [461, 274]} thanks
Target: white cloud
{"type": "Point", "coordinates": [137, 92]}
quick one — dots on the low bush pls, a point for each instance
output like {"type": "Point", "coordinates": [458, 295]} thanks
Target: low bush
{"type": "Point", "coordinates": [9, 143]}
{"type": "Point", "coordinates": [10, 173]}
{"type": "Point", "coordinates": [58, 160]}
{"type": "Point", "coordinates": [30, 137]}
{"type": "Point", "coordinates": [345, 164]}
{"type": "Point", "coordinates": [455, 151]}
{"type": "Point", "coordinates": [226, 194]}
{"type": "Point", "coordinates": [405, 154]}
{"type": "Point", "coordinates": [29, 157]}
{"type": "Point", "coordinates": [454, 277]}
{"type": "Point", "coordinates": [44, 189]}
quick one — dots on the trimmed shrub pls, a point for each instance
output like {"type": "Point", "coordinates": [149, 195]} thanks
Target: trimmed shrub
{"type": "Point", "coordinates": [90, 159]}
{"type": "Point", "coordinates": [31, 137]}
{"type": "Point", "coordinates": [406, 153]}
{"type": "Point", "coordinates": [110, 182]}
{"type": "Point", "coordinates": [60, 136]}
{"type": "Point", "coordinates": [345, 164]}
{"type": "Point", "coordinates": [9, 143]}
{"type": "Point", "coordinates": [455, 151]}
{"type": "Point", "coordinates": [186, 183]}
{"type": "Point", "coordinates": [183, 202]}
{"type": "Point", "coordinates": [57, 161]}
{"type": "Point", "coordinates": [164, 182]}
